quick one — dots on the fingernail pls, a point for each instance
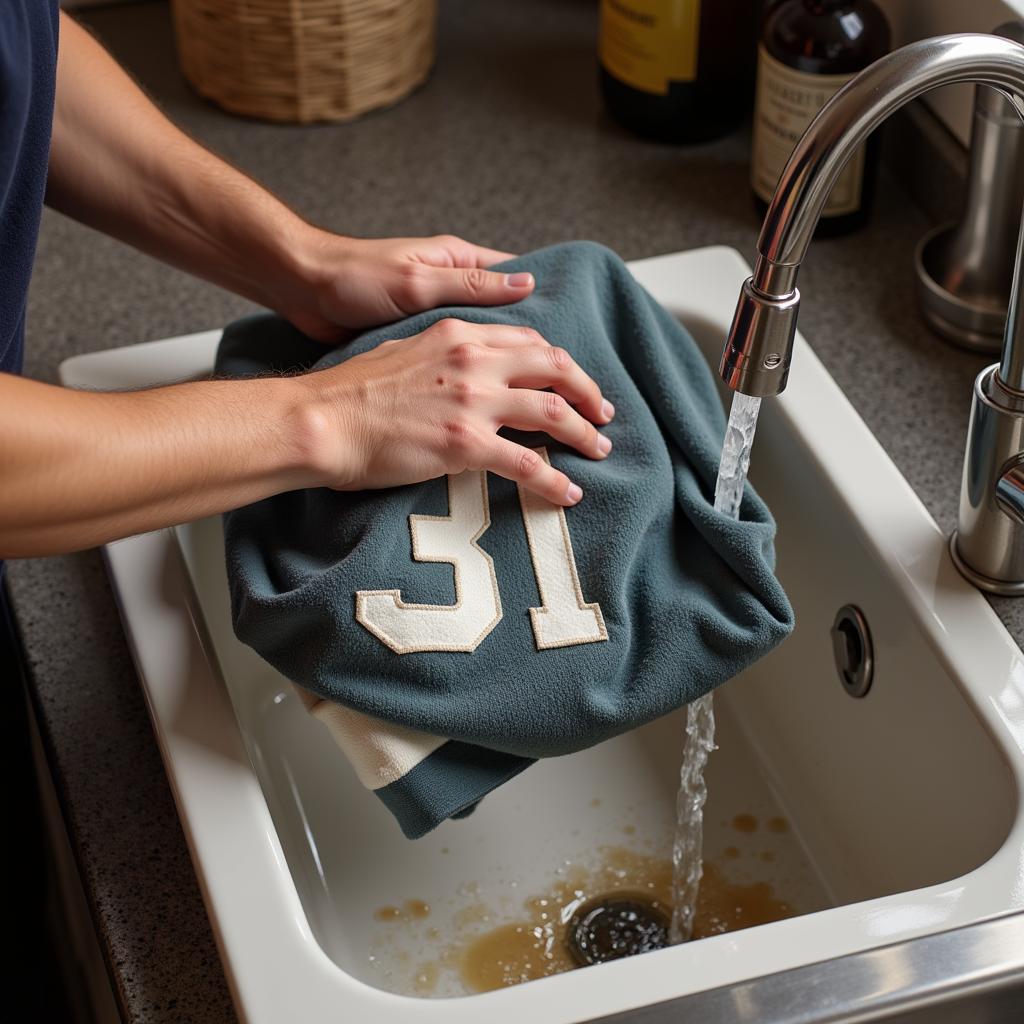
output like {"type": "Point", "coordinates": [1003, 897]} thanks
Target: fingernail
{"type": "Point", "coordinates": [519, 280]}
{"type": "Point", "coordinates": [574, 493]}
{"type": "Point", "coordinates": [604, 444]}
{"type": "Point", "coordinates": [607, 409]}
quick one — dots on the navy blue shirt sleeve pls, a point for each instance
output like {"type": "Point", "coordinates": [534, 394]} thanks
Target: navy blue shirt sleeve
{"type": "Point", "coordinates": [28, 71]}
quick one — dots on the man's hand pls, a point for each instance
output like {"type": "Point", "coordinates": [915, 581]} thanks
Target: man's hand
{"type": "Point", "coordinates": [347, 284]}
{"type": "Point", "coordinates": [432, 404]}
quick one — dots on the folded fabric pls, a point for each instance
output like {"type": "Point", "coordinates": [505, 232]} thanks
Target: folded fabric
{"type": "Point", "coordinates": [451, 632]}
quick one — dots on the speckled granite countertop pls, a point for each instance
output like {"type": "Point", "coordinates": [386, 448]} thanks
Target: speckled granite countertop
{"type": "Point", "coordinates": [506, 145]}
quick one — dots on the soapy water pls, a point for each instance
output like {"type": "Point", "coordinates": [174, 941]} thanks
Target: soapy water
{"type": "Point", "coordinates": [688, 843]}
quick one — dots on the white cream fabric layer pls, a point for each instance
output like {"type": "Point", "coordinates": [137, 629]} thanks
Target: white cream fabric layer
{"type": "Point", "coordinates": [381, 752]}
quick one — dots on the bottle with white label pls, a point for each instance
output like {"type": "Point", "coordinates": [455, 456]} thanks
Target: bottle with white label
{"type": "Point", "coordinates": [809, 50]}
{"type": "Point", "coordinates": [678, 70]}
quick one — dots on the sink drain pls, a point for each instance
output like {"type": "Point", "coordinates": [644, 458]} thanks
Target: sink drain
{"type": "Point", "coordinates": [854, 654]}
{"type": "Point", "coordinates": [620, 924]}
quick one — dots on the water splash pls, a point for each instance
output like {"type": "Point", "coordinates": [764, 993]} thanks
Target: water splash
{"type": "Point", "coordinates": [687, 847]}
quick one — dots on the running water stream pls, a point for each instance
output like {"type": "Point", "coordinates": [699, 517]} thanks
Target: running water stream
{"type": "Point", "coordinates": [688, 844]}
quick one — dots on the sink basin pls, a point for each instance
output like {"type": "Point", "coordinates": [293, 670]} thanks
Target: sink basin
{"type": "Point", "coordinates": [889, 825]}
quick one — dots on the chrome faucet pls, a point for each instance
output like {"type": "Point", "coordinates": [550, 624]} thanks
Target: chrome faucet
{"type": "Point", "coordinates": [988, 545]}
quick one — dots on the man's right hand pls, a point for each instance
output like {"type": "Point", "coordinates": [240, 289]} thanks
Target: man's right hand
{"type": "Point", "coordinates": [432, 404]}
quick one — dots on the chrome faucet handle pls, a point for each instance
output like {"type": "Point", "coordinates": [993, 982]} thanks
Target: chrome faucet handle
{"type": "Point", "coordinates": [988, 543]}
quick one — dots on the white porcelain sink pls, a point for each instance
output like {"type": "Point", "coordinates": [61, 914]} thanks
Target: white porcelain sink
{"type": "Point", "coordinates": [903, 807]}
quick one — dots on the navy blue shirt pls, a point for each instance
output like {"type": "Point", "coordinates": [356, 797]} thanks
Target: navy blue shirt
{"type": "Point", "coordinates": [28, 70]}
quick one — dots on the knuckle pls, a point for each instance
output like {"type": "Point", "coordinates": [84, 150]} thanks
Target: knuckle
{"type": "Point", "coordinates": [447, 241]}
{"type": "Point", "coordinates": [560, 359]}
{"type": "Point", "coordinates": [475, 280]}
{"type": "Point", "coordinates": [466, 354]}
{"type": "Point", "coordinates": [555, 407]}
{"type": "Point", "coordinates": [458, 436]}
{"type": "Point", "coordinates": [413, 285]}
{"type": "Point", "coordinates": [527, 463]}
{"type": "Point", "coordinates": [533, 336]}
{"type": "Point", "coordinates": [465, 391]}
{"type": "Point", "coordinates": [448, 328]}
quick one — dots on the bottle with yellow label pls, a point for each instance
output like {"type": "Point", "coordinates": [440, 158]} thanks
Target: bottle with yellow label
{"type": "Point", "coordinates": [678, 70]}
{"type": "Point", "coordinates": [809, 50]}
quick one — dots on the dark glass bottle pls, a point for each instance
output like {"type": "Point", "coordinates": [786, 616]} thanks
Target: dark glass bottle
{"type": "Point", "coordinates": [809, 49]}
{"type": "Point", "coordinates": [678, 70]}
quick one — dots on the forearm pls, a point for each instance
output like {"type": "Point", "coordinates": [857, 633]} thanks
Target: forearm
{"type": "Point", "coordinates": [81, 468]}
{"type": "Point", "coordinates": [117, 164]}
{"type": "Point", "coordinates": [78, 468]}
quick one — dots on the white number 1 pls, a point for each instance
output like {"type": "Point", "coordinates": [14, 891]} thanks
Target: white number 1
{"type": "Point", "coordinates": [564, 619]}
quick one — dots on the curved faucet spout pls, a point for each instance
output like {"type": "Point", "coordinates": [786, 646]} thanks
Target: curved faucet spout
{"type": "Point", "coordinates": [759, 349]}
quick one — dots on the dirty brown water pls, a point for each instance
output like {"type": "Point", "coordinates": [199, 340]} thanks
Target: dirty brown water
{"type": "Point", "coordinates": [410, 910]}
{"type": "Point", "coordinates": [482, 949]}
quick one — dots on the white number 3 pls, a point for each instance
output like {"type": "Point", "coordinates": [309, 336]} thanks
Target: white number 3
{"type": "Point", "coordinates": [564, 618]}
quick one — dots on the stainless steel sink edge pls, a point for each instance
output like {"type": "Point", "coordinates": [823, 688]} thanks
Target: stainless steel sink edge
{"type": "Point", "coordinates": [970, 975]}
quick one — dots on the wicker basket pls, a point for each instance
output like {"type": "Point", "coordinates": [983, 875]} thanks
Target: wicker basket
{"type": "Point", "coordinates": [305, 60]}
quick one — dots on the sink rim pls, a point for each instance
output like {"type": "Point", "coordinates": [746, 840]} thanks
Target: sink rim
{"type": "Point", "coordinates": [226, 820]}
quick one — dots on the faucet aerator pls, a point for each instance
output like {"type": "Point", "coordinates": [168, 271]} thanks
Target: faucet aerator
{"type": "Point", "coordinates": [760, 345]}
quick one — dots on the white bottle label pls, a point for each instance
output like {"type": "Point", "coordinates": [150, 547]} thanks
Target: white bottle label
{"type": "Point", "coordinates": [787, 101]}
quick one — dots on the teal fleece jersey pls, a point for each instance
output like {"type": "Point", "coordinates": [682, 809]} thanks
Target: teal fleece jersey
{"type": "Point", "coordinates": [488, 627]}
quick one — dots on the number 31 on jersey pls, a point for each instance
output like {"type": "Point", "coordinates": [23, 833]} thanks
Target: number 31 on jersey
{"type": "Point", "coordinates": [563, 619]}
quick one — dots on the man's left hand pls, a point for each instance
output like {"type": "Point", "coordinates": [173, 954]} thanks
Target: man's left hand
{"type": "Point", "coordinates": [349, 284]}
